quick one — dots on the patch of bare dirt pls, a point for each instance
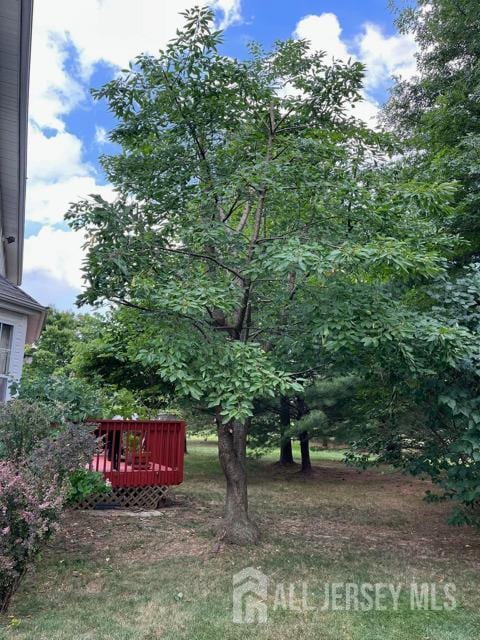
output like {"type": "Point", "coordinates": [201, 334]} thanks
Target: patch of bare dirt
{"type": "Point", "coordinates": [418, 528]}
{"type": "Point", "coordinates": [340, 510]}
{"type": "Point", "coordinates": [440, 543]}
{"type": "Point", "coordinates": [114, 535]}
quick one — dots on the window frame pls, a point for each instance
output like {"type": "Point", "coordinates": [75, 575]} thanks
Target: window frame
{"type": "Point", "coordinates": [4, 375]}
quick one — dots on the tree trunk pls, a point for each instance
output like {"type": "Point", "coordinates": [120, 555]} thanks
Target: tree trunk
{"type": "Point", "coordinates": [9, 589]}
{"type": "Point", "coordinates": [236, 528]}
{"type": "Point", "coordinates": [185, 448]}
{"type": "Point", "coordinates": [304, 439]}
{"type": "Point", "coordinates": [286, 453]}
{"type": "Point", "coordinates": [305, 452]}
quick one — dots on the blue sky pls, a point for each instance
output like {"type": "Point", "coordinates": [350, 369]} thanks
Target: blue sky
{"type": "Point", "coordinates": [81, 45]}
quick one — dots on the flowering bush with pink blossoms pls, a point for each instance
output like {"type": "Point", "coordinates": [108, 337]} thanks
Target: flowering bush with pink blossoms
{"type": "Point", "coordinates": [37, 460]}
{"type": "Point", "coordinates": [29, 511]}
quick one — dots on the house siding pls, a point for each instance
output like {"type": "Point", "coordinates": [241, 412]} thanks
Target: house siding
{"type": "Point", "coordinates": [19, 322]}
{"type": "Point", "coordinates": [15, 38]}
{"type": "Point", "coordinates": [3, 270]}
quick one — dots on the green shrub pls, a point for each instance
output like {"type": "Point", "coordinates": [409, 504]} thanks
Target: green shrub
{"type": "Point", "coordinates": [84, 483]}
{"type": "Point", "coordinates": [23, 424]}
{"type": "Point", "coordinates": [71, 399]}
{"type": "Point", "coordinates": [59, 455]}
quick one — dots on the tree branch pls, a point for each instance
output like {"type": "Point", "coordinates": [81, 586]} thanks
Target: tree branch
{"type": "Point", "coordinates": [244, 218]}
{"type": "Point", "coordinates": [204, 256]}
{"type": "Point", "coordinates": [132, 305]}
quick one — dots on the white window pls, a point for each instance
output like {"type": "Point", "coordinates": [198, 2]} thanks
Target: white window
{"type": "Point", "coordinates": [6, 334]}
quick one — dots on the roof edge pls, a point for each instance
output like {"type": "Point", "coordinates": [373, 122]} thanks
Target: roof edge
{"type": "Point", "coordinates": [24, 305]}
{"type": "Point", "coordinates": [26, 20]}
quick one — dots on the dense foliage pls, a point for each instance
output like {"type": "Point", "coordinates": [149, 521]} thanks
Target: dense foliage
{"type": "Point", "coordinates": [23, 425]}
{"type": "Point", "coordinates": [78, 368]}
{"type": "Point", "coordinates": [37, 461]}
{"type": "Point", "coordinates": [83, 483]}
{"type": "Point", "coordinates": [437, 111]}
{"type": "Point", "coordinates": [427, 422]}
{"type": "Point", "coordinates": [48, 376]}
{"type": "Point", "coordinates": [254, 235]}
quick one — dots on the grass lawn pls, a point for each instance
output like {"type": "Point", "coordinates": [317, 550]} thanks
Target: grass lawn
{"type": "Point", "coordinates": [110, 576]}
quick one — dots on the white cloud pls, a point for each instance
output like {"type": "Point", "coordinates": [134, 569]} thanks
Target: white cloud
{"type": "Point", "coordinates": [231, 9]}
{"type": "Point", "coordinates": [53, 92]}
{"type": "Point", "coordinates": [47, 202]}
{"type": "Point", "coordinates": [112, 31]}
{"type": "Point", "coordinates": [54, 157]}
{"type": "Point", "coordinates": [57, 254]}
{"type": "Point", "coordinates": [367, 110]}
{"type": "Point", "coordinates": [50, 292]}
{"type": "Point", "coordinates": [101, 136]}
{"type": "Point", "coordinates": [324, 32]}
{"type": "Point", "coordinates": [57, 176]}
{"type": "Point", "coordinates": [384, 56]}
{"type": "Point", "coordinates": [109, 31]}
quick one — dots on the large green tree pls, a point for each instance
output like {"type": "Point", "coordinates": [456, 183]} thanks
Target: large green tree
{"type": "Point", "coordinates": [426, 419]}
{"type": "Point", "coordinates": [438, 110]}
{"type": "Point", "coordinates": [78, 365]}
{"type": "Point", "coordinates": [47, 374]}
{"type": "Point", "coordinates": [437, 114]}
{"type": "Point", "coordinates": [249, 214]}
{"type": "Point", "coordinates": [54, 349]}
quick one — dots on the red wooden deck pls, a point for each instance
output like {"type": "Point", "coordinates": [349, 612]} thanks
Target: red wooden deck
{"type": "Point", "coordinates": [136, 453]}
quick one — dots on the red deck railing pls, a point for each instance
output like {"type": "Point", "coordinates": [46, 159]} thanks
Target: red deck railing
{"type": "Point", "coordinates": [136, 453]}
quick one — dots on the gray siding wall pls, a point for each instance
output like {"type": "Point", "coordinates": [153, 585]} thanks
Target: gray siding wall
{"type": "Point", "coordinates": [3, 267]}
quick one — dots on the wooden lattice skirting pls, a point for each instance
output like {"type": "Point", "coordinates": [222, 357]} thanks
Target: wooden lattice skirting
{"type": "Point", "coordinates": [151, 497]}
